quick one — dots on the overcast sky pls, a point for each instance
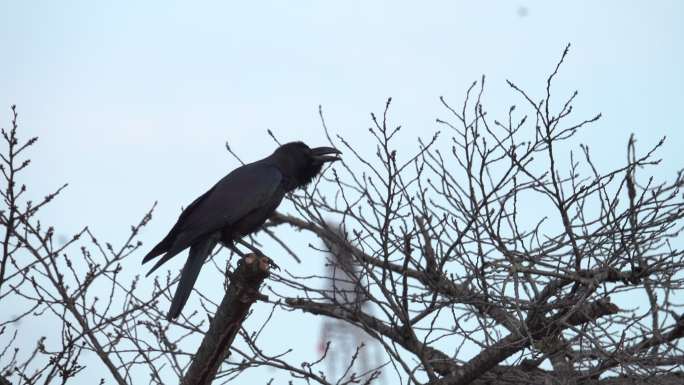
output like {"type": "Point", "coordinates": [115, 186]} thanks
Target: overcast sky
{"type": "Point", "coordinates": [133, 101]}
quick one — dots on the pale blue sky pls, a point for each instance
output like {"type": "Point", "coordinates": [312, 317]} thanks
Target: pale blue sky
{"type": "Point", "coordinates": [133, 100]}
{"type": "Point", "coordinates": [142, 94]}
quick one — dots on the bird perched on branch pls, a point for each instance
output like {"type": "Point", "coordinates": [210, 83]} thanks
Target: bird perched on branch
{"type": "Point", "coordinates": [236, 206]}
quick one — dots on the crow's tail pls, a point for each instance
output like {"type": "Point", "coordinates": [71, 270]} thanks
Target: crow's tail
{"type": "Point", "coordinates": [162, 247]}
{"type": "Point", "coordinates": [198, 254]}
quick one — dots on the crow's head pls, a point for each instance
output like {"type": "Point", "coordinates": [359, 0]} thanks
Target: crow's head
{"type": "Point", "coordinates": [300, 163]}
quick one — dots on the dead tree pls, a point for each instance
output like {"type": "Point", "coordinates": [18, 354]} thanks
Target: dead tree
{"type": "Point", "coordinates": [493, 253]}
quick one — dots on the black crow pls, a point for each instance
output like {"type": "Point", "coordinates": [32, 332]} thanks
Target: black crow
{"type": "Point", "coordinates": [236, 206]}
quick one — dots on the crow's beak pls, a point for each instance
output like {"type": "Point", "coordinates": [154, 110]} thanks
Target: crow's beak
{"type": "Point", "coordinates": [326, 154]}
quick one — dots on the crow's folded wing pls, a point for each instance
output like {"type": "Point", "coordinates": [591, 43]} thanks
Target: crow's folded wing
{"type": "Point", "coordinates": [242, 191]}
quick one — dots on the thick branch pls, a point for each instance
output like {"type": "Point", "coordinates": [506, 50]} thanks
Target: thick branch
{"type": "Point", "coordinates": [242, 293]}
{"type": "Point", "coordinates": [485, 364]}
{"type": "Point", "coordinates": [512, 343]}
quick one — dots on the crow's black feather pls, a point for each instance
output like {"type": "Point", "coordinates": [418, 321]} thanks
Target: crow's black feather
{"type": "Point", "coordinates": [236, 206]}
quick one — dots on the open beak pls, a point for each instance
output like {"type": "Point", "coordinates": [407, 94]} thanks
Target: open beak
{"type": "Point", "coordinates": [326, 154]}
